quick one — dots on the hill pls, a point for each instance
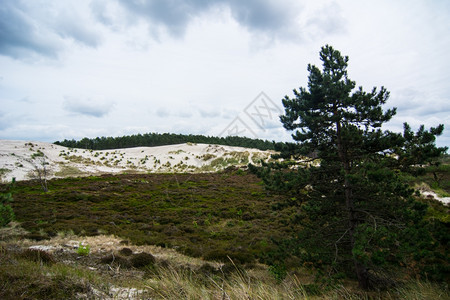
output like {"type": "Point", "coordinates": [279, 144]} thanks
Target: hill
{"type": "Point", "coordinates": [22, 160]}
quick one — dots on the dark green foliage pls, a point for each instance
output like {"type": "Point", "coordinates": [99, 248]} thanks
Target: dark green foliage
{"type": "Point", "coordinates": [356, 211]}
{"type": "Point", "coordinates": [419, 148]}
{"type": "Point", "coordinates": [126, 251]}
{"type": "Point", "coordinates": [224, 255]}
{"type": "Point", "coordinates": [6, 215]}
{"type": "Point", "coordinates": [278, 271]}
{"type": "Point", "coordinates": [141, 260]}
{"type": "Point", "coordinates": [6, 212]}
{"type": "Point", "coordinates": [156, 139]}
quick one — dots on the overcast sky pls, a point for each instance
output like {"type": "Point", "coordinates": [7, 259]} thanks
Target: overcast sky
{"type": "Point", "coordinates": [88, 68]}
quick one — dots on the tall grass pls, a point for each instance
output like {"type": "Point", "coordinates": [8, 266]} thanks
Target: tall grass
{"type": "Point", "coordinates": [25, 279]}
{"type": "Point", "coordinates": [173, 284]}
{"type": "Point", "coordinates": [184, 284]}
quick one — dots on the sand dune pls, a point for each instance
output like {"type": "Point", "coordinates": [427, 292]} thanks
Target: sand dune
{"type": "Point", "coordinates": [21, 159]}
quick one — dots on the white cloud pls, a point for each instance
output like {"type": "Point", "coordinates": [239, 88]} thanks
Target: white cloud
{"type": "Point", "coordinates": [87, 107]}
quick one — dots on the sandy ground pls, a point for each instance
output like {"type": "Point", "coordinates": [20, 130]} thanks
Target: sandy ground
{"type": "Point", "coordinates": [21, 159]}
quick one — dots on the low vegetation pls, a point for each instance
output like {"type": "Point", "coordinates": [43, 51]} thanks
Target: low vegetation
{"type": "Point", "coordinates": [38, 274]}
{"type": "Point", "coordinates": [227, 220]}
{"type": "Point", "coordinates": [203, 215]}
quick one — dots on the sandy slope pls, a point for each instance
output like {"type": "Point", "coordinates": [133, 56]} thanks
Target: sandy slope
{"type": "Point", "coordinates": [20, 159]}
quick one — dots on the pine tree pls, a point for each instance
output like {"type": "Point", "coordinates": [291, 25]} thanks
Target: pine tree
{"type": "Point", "coordinates": [358, 215]}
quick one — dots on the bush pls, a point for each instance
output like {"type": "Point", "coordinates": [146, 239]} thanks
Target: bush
{"type": "Point", "coordinates": [142, 260]}
{"type": "Point", "coordinates": [6, 215]}
{"type": "Point", "coordinates": [278, 272]}
{"type": "Point", "coordinates": [126, 251]}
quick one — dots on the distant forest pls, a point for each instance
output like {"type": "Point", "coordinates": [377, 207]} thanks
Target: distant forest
{"type": "Point", "coordinates": [158, 139]}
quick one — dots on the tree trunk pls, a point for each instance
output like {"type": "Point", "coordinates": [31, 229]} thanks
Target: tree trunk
{"type": "Point", "coordinates": [360, 269]}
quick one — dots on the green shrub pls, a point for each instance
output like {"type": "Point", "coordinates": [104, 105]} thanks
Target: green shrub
{"type": "Point", "coordinates": [6, 215]}
{"type": "Point", "coordinates": [278, 272]}
{"type": "Point", "coordinates": [83, 250]}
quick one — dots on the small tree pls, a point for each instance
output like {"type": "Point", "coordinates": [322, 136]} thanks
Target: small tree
{"type": "Point", "coordinates": [39, 163]}
{"type": "Point", "coordinates": [358, 216]}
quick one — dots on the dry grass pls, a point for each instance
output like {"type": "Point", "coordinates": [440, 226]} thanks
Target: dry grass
{"type": "Point", "coordinates": [422, 290]}
{"type": "Point", "coordinates": [12, 231]}
{"type": "Point", "coordinates": [184, 284]}
{"type": "Point", "coordinates": [174, 276]}
{"type": "Point", "coordinates": [68, 171]}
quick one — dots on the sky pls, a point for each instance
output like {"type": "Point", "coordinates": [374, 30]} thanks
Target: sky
{"type": "Point", "coordinates": [85, 68]}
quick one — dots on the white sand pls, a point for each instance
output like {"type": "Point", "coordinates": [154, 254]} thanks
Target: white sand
{"type": "Point", "coordinates": [17, 160]}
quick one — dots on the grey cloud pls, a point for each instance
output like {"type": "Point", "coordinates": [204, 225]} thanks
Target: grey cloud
{"type": "Point", "coordinates": [173, 15]}
{"type": "Point", "coordinates": [68, 27]}
{"type": "Point", "coordinates": [410, 101]}
{"type": "Point", "coordinates": [87, 107]}
{"type": "Point", "coordinates": [29, 29]}
{"type": "Point", "coordinates": [276, 18]}
{"type": "Point", "coordinates": [268, 19]}
{"type": "Point", "coordinates": [18, 35]}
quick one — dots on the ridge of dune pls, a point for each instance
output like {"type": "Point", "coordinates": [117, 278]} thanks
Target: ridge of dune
{"type": "Point", "coordinates": [21, 159]}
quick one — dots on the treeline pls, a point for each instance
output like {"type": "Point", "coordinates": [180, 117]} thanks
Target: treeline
{"type": "Point", "coordinates": [158, 139]}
